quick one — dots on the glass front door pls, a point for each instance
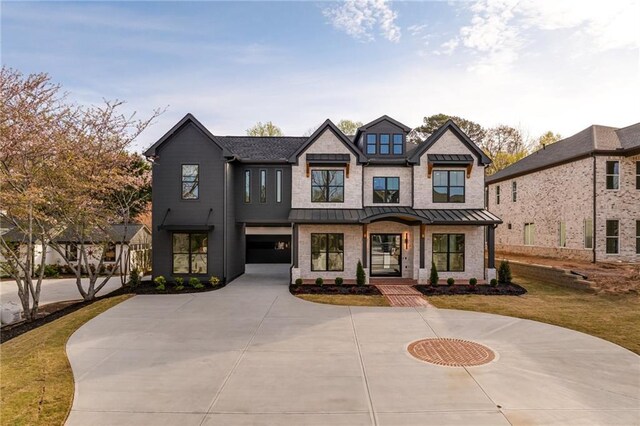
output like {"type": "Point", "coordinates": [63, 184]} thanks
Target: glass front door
{"type": "Point", "coordinates": [386, 255]}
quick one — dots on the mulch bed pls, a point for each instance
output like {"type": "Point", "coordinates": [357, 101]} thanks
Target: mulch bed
{"type": "Point", "coordinates": [361, 290]}
{"type": "Point", "coordinates": [481, 289]}
{"type": "Point", "coordinates": [53, 311]}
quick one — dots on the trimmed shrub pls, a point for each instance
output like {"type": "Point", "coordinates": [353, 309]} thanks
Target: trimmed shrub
{"type": "Point", "coordinates": [473, 282]}
{"type": "Point", "coordinates": [134, 278]}
{"type": "Point", "coordinates": [433, 277]}
{"type": "Point", "coordinates": [195, 283]}
{"type": "Point", "coordinates": [298, 281]}
{"type": "Point", "coordinates": [50, 271]}
{"type": "Point", "coordinates": [450, 281]}
{"type": "Point", "coordinates": [493, 282]}
{"type": "Point", "coordinates": [160, 283]}
{"type": "Point", "coordinates": [179, 283]}
{"type": "Point", "coordinates": [339, 280]}
{"type": "Point", "coordinates": [319, 281]}
{"type": "Point", "coordinates": [504, 272]}
{"type": "Point", "coordinates": [360, 275]}
{"type": "Point", "coordinates": [214, 281]}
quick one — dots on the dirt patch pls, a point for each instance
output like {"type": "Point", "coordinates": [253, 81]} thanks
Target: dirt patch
{"type": "Point", "coordinates": [363, 290]}
{"type": "Point", "coordinates": [481, 289]}
{"type": "Point", "coordinates": [615, 278]}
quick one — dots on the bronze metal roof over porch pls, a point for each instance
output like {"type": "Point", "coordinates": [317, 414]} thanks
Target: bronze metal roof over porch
{"type": "Point", "coordinates": [405, 214]}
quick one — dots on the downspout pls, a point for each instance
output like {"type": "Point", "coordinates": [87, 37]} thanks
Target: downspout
{"type": "Point", "coordinates": [593, 243]}
{"type": "Point", "coordinates": [225, 241]}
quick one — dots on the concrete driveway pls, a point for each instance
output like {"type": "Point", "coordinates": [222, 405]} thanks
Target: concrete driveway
{"type": "Point", "coordinates": [55, 289]}
{"type": "Point", "coordinates": [252, 354]}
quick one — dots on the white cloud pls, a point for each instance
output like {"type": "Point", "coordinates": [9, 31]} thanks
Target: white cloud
{"type": "Point", "coordinates": [358, 18]}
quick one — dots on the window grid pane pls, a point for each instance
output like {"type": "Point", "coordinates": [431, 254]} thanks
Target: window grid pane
{"type": "Point", "coordinates": [247, 186]}
{"type": "Point", "coordinates": [386, 189]}
{"type": "Point", "coordinates": [190, 181]}
{"type": "Point", "coordinates": [448, 186]}
{"type": "Point", "coordinates": [263, 186]}
{"type": "Point", "coordinates": [397, 144]}
{"type": "Point", "coordinates": [189, 253]}
{"type": "Point", "coordinates": [613, 175]}
{"type": "Point", "coordinates": [278, 186]}
{"type": "Point", "coordinates": [448, 252]}
{"type": "Point", "coordinates": [327, 186]}
{"type": "Point", "coordinates": [327, 252]}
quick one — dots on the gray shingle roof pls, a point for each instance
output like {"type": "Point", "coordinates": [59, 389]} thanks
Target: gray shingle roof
{"type": "Point", "coordinates": [262, 148]}
{"type": "Point", "coordinates": [592, 139]}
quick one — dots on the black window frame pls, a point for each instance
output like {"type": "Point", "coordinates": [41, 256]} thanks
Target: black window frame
{"type": "Point", "coordinates": [637, 236]}
{"type": "Point", "coordinates": [278, 186]}
{"type": "Point", "coordinates": [497, 194]}
{"type": "Point", "coordinates": [613, 176]}
{"type": "Point", "coordinates": [190, 252]}
{"type": "Point", "coordinates": [588, 233]}
{"type": "Point", "coordinates": [196, 181]}
{"type": "Point", "coordinates": [387, 145]}
{"type": "Point", "coordinates": [449, 186]}
{"type": "Point", "coordinates": [327, 186]}
{"type": "Point", "coordinates": [395, 144]}
{"type": "Point", "coordinates": [386, 189]}
{"type": "Point", "coordinates": [263, 186]}
{"type": "Point", "coordinates": [514, 191]}
{"type": "Point", "coordinates": [638, 175]}
{"type": "Point", "coordinates": [611, 237]}
{"type": "Point", "coordinates": [369, 144]}
{"type": "Point", "coordinates": [449, 251]}
{"type": "Point", "coordinates": [247, 186]}
{"type": "Point", "coordinates": [327, 251]}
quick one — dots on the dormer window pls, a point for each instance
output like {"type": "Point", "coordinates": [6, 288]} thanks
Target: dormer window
{"type": "Point", "coordinates": [397, 144]}
{"type": "Point", "coordinates": [371, 143]}
{"type": "Point", "coordinates": [385, 141]}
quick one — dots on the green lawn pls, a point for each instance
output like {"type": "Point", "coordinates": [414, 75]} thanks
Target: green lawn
{"type": "Point", "coordinates": [612, 317]}
{"type": "Point", "coordinates": [350, 300]}
{"type": "Point", "coordinates": [37, 383]}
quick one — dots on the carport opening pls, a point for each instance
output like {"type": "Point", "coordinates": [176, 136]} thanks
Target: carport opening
{"type": "Point", "coordinates": [268, 249]}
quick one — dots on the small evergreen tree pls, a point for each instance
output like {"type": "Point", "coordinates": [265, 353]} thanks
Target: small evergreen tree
{"type": "Point", "coordinates": [504, 272]}
{"type": "Point", "coordinates": [433, 277]}
{"type": "Point", "coordinates": [360, 275]}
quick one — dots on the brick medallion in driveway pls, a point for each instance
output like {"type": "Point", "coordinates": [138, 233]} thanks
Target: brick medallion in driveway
{"type": "Point", "coordinates": [253, 354]}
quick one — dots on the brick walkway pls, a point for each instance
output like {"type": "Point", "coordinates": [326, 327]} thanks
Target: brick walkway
{"type": "Point", "coordinates": [403, 295]}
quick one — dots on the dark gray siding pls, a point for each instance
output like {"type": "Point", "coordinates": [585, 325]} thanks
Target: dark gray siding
{"type": "Point", "coordinates": [235, 245]}
{"type": "Point", "coordinates": [188, 146]}
{"type": "Point", "coordinates": [382, 127]}
{"type": "Point", "coordinates": [255, 211]}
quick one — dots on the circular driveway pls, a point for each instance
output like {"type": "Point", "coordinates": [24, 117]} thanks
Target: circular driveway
{"type": "Point", "coordinates": [252, 354]}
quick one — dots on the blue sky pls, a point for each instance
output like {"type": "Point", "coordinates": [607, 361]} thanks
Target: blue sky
{"type": "Point", "coordinates": [537, 65]}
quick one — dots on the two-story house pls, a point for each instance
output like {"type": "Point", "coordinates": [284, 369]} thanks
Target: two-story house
{"type": "Point", "coordinates": [578, 198]}
{"type": "Point", "coordinates": [321, 203]}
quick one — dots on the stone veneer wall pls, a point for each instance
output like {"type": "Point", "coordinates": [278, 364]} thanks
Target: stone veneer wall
{"type": "Point", "coordinates": [404, 173]}
{"type": "Point", "coordinates": [473, 256]}
{"type": "Point", "coordinates": [423, 185]}
{"type": "Point", "coordinates": [327, 142]}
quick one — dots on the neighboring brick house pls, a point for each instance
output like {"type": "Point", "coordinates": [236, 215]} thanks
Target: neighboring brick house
{"type": "Point", "coordinates": [578, 198]}
{"type": "Point", "coordinates": [321, 203]}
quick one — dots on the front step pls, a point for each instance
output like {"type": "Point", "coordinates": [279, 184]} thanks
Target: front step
{"type": "Point", "coordinates": [392, 281]}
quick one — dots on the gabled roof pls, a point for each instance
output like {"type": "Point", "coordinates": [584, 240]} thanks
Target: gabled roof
{"type": "Point", "coordinates": [262, 148]}
{"type": "Point", "coordinates": [385, 118]}
{"type": "Point", "coordinates": [435, 136]}
{"type": "Point", "coordinates": [328, 124]}
{"type": "Point", "coordinates": [593, 139]}
{"type": "Point", "coordinates": [189, 118]}
{"type": "Point", "coordinates": [115, 233]}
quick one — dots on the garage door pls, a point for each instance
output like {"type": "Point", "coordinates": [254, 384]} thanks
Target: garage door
{"type": "Point", "coordinates": [268, 248]}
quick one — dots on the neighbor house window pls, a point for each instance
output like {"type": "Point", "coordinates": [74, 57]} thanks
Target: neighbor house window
{"type": "Point", "coordinates": [385, 142]}
{"type": "Point", "coordinates": [562, 234]}
{"type": "Point", "coordinates": [514, 191]}
{"type": "Point", "coordinates": [386, 190]}
{"type": "Point", "coordinates": [247, 186]}
{"type": "Point", "coordinates": [189, 253]}
{"type": "Point", "coordinates": [398, 146]}
{"type": "Point", "coordinates": [637, 236]}
{"type": "Point", "coordinates": [529, 234]}
{"type": "Point", "coordinates": [327, 186]}
{"type": "Point", "coordinates": [588, 233]}
{"type": "Point", "coordinates": [190, 181]}
{"type": "Point", "coordinates": [71, 252]}
{"type": "Point", "coordinates": [278, 186]}
{"type": "Point", "coordinates": [448, 186]}
{"type": "Point", "coordinates": [613, 174]}
{"type": "Point", "coordinates": [263, 186]}
{"type": "Point", "coordinates": [327, 252]}
{"type": "Point", "coordinates": [613, 237]}
{"type": "Point", "coordinates": [371, 143]}
{"type": "Point", "coordinates": [637, 174]}
{"type": "Point", "coordinates": [448, 252]}
{"type": "Point", "coordinates": [498, 194]}
{"type": "Point", "coordinates": [110, 253]}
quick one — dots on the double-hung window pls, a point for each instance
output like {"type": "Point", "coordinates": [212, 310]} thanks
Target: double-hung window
{"type": "Point", "coordinates": [385, 143]}
{"type": "Point", "coordinates": [637, 174]}
{"type": "Point", "coordinates": [514, 191]}
{"type": "Point", "coordinates": [448, 186]}
{"type": "Point", "coordinates": [263, 186]}
{"type": "Point", "coordinates": [371, 143]}
{"type": "Point", "coordinates": [613, 174]}
{"type": "Point", "coordinates": [588, 234]}
{"type": "Point", "coordinates": [386, 189]}
{"type": "Point", "coordinates": [327, 252]}
{"type": "Point", "coordinates": [190, 181]}
{"type": "Point", "coordinates": [398, 145]}
{"type": "Point", "coordinates": [613, 237]}
{"type": "Point", "coordinates": [529, 234]}
{"type": "Point", "coordinates": [637, 236]}
{"type": "Point", "coordinates": [247, 186]}
{"type": "Point", "coordinates": [189, 253]}
{"type": "Point", "coordinates": [327, 186]}
{"type": "Point", "coordinates": [448, 252]}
